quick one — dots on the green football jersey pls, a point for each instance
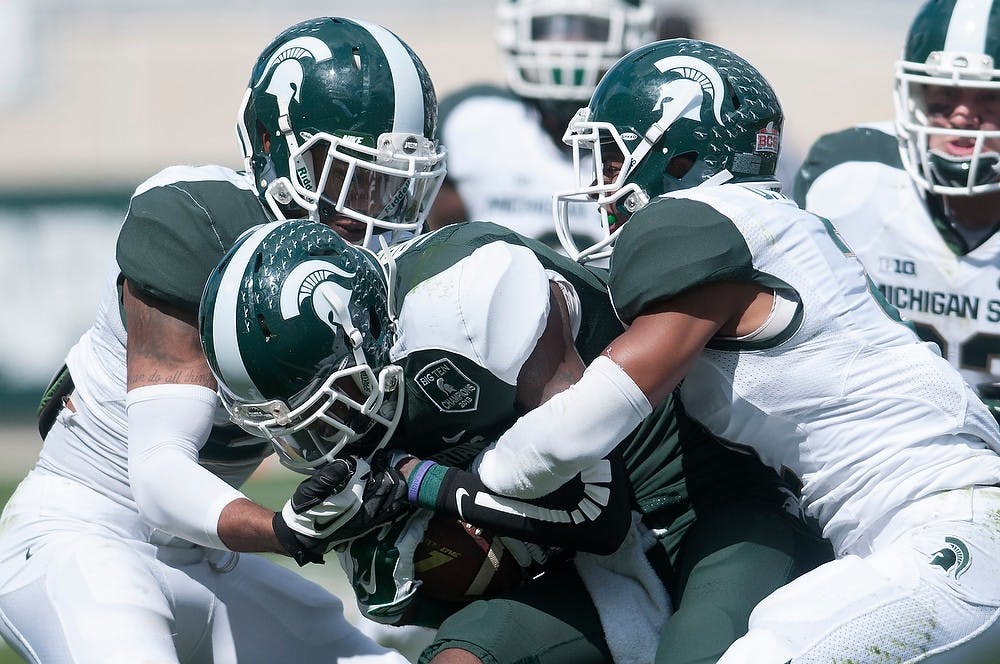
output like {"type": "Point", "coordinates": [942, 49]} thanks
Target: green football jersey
{"type": "Point", "coordinates": [472, 301]}
{"type": "Point", "coordinates": [464, 290]}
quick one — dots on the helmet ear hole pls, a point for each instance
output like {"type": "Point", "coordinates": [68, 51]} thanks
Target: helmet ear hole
{"type": "Point", "coordinates": [681, 165]}
{"type": "Point", "coordinates": [265, 137]}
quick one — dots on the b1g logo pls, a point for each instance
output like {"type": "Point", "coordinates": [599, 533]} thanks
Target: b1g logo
{"type": "Point", "coordinates": [450, 389]}
{"type": "Point", "coordinates": [890, 265]}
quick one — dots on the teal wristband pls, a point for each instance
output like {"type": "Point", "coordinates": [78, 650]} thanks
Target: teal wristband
{"type": "Point", "coordinates": [430, 486]}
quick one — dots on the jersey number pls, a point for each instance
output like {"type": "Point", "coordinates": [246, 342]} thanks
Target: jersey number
{"type": "Point", "coordinates": [975, 353]}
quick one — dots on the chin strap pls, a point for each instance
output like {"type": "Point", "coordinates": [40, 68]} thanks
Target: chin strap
{"type": "Point", "coordinates": [722, 177]}
{"type": "Point", "coordinates": [388, 263]}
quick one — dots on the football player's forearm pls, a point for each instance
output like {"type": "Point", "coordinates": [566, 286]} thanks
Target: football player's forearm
{"type": "Point", "coordinates": [168, 424]}
{"type": "Point", "coordinates": [589, 513]}
{"type": "Point", "coordinates": [567, 434]}
{"type": "Point", "coordinates": [246, 526]}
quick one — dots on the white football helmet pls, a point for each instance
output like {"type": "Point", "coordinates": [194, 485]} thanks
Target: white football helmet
{"type": "Point", "coordinates": [559, 49]}
{"type": "Point", "coordinates": [949, 45]}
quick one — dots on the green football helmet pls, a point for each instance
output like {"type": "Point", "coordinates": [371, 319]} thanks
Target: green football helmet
{"type": "Point", "coordinates": [296, 327]}
{"type": "Point", "coordinates": [557, 50]}
{"type": "Point", "coordinates": [358, 94]}
{"type": "Point", "coordinates": [677, 114]}
{"type": "Point", "coordinates": [952, 44]}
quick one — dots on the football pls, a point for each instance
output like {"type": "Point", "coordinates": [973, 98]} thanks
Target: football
{"type": "Point", "coordinates": [458, 562]}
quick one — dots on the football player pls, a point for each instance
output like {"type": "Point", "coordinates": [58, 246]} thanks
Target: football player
{"type": "Point", "coordinates": [918, 200]}
{"type": "Point", "coordinates": [763, 318]}
{"type": "Point", "coordinates": [472, 325]}
{"type": "Point", "coordinates": [122, 543]}
{"type": "Point", "coordinates": [554, 53]}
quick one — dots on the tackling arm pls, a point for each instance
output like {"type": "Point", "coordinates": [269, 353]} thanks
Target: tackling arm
{"type": "Point", "coordinates": [170, 403]}
{"type": "Point", "coordinates": [587, 508]}
{"type": "Point", "coordinates": [640, 367]}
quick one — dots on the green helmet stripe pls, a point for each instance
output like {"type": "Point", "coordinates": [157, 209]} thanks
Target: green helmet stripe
{"type": "Point", "coordinates": [407, 116]}
{"type": "Point", "coordinates": [231, 368]}
{"type": "Point", "coordinates": [968, 26]}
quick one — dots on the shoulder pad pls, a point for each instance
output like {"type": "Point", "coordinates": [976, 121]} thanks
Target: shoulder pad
{"type": "Point", "coordinates": [669, 246]}
{"type": "Point", "coordinates": [179, 224]}
{"type": "Point", "coordinates": [870, 143]}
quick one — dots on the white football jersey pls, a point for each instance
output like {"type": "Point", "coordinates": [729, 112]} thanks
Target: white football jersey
{"type": "Point", "coordinates": [505, 166]}
{"type": "Point", "coordinates": [953, 298]}
{"type": "Point", "coordinates": [844, 397]}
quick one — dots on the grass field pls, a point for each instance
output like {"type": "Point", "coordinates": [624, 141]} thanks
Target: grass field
{"type": "Point", "coordinates": [272, 490]}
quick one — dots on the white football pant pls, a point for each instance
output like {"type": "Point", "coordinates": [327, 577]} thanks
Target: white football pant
{"type": "Point", "coordinates": [929, 591]}
{"type": "Point", "coordinates": [80, 583]}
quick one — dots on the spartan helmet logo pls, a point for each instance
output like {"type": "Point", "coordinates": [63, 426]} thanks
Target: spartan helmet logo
{"type": "Point", "coordinates": [285, 84]}
{"type": "Point", "coordinates": [953, 558]}
{"type": "Point", "coordinates": [285, 67]}
{"type": "Point", "coordinates": [330, 303]}
{"type": "Point", "coordinates": [329, 299]}
{"type": "Point", "coordinates": [682, 97]}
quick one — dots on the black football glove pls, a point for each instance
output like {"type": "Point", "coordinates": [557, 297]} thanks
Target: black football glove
{"type": "Point", "coordinates": [344, 499]}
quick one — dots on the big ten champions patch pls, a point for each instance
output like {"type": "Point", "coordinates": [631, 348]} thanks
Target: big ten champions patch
{"type": "Point", "coordinates": [450, 389]}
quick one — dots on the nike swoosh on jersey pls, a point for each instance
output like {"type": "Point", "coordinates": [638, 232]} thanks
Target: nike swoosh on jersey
{"type": "Point", "coordinates": [451, 440]}
{"type": "Point", "coordinates": [459, 494]}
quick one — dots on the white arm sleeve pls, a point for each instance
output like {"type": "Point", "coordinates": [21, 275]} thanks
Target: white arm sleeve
{"type": "Point", "coordinates": [167, 425]}
{"type": "Point", "coordinates": [567, 434]}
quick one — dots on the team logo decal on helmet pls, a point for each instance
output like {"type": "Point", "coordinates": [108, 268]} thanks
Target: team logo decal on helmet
{"type": "Point", "coordinates": [286, 75]}
{"type": "Point", "coordinates": [313, 281]}
{"type": "Point", "coordinates": [682, 97]}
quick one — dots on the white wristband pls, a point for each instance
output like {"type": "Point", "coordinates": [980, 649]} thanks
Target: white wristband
{"type": "Point", "coordinates": [567, 434]}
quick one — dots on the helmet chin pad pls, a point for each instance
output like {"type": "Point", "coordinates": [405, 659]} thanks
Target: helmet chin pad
{"type": "Point", "coordinates": [951, 171]}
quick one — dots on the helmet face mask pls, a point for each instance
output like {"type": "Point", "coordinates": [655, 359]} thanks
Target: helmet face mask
{"type": "Point", "coordinates": [559, 49]}
{"type": "Point", "coordinates": [390, 188]}
{"type": "Point", "coordinates": [328, 421]}
{"type": "Point", "coordinates": [602, 160]}
{"type": "Point", "coordinates": [296, 328]}
{"type": "Point", "coordinates": [335, 90]}
{"type": "Point", "coordinates": [674, 114]}
{"type": "Point", "coordinates": [949, 61]}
